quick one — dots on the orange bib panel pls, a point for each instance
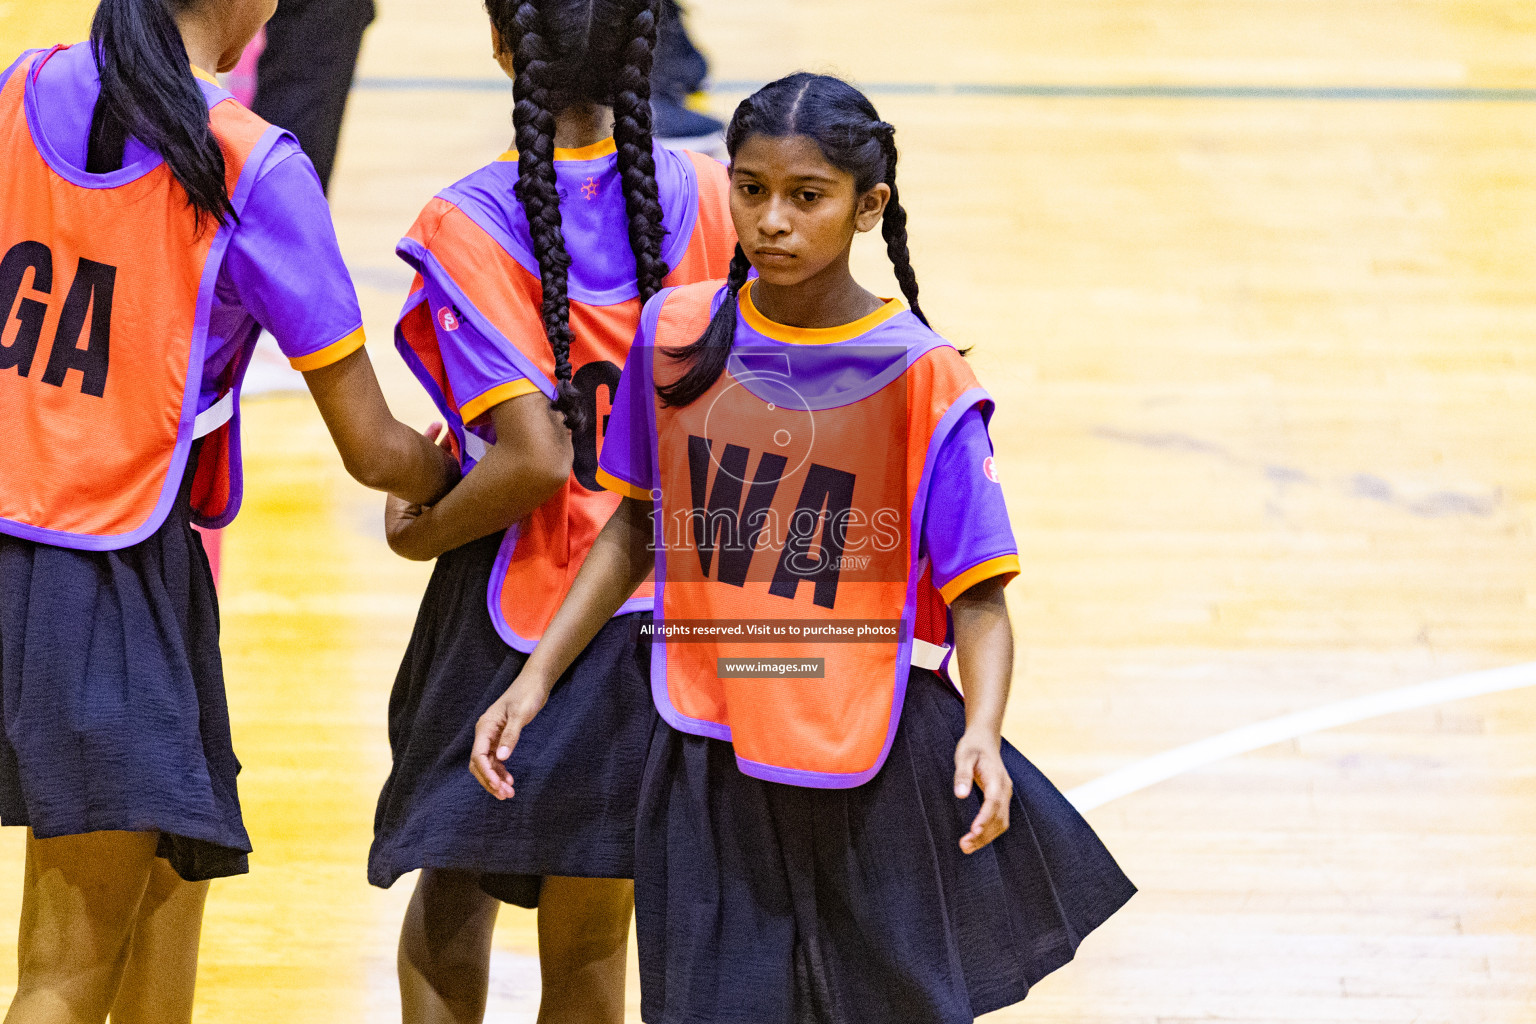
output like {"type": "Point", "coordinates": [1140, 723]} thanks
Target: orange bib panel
{"type": "Point", "coordinates": [780, 524]}
{"type": "Point", "coordinates": [542, 554]}
{"type": "Point", "coordinates": [106, 293]}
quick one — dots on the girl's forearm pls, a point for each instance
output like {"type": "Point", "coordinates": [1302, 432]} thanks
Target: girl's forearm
{"type": "Point", "coordinates": [415, 468]}
{"type": "Point", "coordinates": [500, 490]}
{"type": "Point", "coordinates": [378, 450]}
{"type": "Point", "coordinates": [984, 650]}
{"type": "Point", "coordinates": [618, 563]}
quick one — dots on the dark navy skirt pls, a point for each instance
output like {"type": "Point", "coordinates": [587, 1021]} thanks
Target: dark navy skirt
{"type": "Point", "coordinates": [762, 903]}
{"type": "Point", "coordinates": [577, 764]}
{"type": "Point", "coordinates": [112, 697]}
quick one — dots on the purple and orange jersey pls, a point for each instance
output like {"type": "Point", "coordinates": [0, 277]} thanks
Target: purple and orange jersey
{"type": "Point", "coordinates": [820, 503]}
{"type": "Point", "coordinates": [106, 275]}
{"type": "Point", "coordinates": [472, 332]}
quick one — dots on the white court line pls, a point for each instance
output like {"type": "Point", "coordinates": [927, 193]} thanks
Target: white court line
{"type": "Point", "coordinates": [1155, 769]}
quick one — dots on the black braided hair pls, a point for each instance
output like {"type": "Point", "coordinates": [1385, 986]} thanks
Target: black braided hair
{"type": "Point", "coordinates": [894, 225]}
{"type": "Point", "coordinates": [148, 91]}
{"type": "Point", "coordinates": [706, 357]}
{"type": "Point", "coordinates": [565, 53]}
{"type": "Point", "coordinates": [637, 165]}
{"type": "Point", "coordinates": [848, 131]}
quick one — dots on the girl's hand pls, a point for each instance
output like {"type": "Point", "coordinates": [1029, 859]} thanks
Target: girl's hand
{"type": "Point", "coordinates": [399, 517]}
{"type": "Point", "coordinates": [979, 759]}
{"type": "Point", "coordinates": [498, 729]}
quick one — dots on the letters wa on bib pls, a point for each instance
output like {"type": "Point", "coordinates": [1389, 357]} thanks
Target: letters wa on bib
{"type": "Point", "coordinates": [837, 477]}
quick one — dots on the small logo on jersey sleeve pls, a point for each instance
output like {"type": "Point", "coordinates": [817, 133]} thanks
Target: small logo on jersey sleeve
{"type": "Point", "coordinates": [589, 190]}
{"type": "Point", "coordinates": [449, 318]}
{"type": "Point", "coordinates": [989, 469]}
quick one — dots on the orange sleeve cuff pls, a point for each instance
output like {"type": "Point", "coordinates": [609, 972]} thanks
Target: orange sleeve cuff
{"type": "Point", "coordinates": [621, 487]}
{"type": "Point", "coordinates": [484, 402]}
{"type": "Point", "coordinates": [1007, 565]}
{"type": "Point", "coordinates": [335, 352]}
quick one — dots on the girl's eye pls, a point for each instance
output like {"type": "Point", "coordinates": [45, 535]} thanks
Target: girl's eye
{"type": "Point", "coordinates": [810, 197]}
{"type": "Point", "coordinates": [751, 189]}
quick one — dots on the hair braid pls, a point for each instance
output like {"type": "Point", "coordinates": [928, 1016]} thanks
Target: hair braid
{"type": "Point", "coordinates": [894, 226]}
{"type": "Point", "coordinates": [637, 163]}
{"type": "Point", "coordinates": [707, 354]}
{"type": "Point", "coordinates": [539, 193]}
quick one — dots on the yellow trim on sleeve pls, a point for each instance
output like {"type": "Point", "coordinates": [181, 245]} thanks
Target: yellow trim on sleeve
{"type": "Point", "coordinates": [1005, 565]}
{"type": "Point", "coordinates": [481, 404]}
{"type": "Point", "coordinates": [595, 151]}
{"type": "Point", "coordinates": [813, 335]}
{"type": "Point", "coordinates": [198, 72]}
{"type": "Point", "coordinates": [335, 352]}
{"type": "Point", "coordinates": [621, 487]}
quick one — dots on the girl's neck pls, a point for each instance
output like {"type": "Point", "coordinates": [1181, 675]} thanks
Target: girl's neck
{"type": "Point", "coordinates": [829, 299]}
{"type": "Point", "coordinates": [581, 126]}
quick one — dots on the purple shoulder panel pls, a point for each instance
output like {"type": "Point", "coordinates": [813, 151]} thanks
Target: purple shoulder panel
{"type": "Point", "coordinates": [594, 221]}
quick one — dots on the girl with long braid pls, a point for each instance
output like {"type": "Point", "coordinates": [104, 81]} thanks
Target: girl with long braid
{"type": "Point", "coordinates": [531, 274]}
{"type": "Point", "coordinates": [150, 228]}
{"type": "Point", "coordinates": [824, 831]}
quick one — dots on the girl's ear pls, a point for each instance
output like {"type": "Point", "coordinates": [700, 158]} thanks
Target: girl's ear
{"type": "Point", "coordinates": [499, 51]}
{"type": "Point", "coordinates": [871, 207]}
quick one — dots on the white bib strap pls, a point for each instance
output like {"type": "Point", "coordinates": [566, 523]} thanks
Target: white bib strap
{"type": "Point", "coordinates": [928, 656]}
{"type": "Point", "coordinates": [214, 417]}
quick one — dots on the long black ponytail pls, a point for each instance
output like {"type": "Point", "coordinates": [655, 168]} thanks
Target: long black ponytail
{"type": "Point", "coordinates": [148, 91]}
{"type": "Point", "coordinates": [566, 52]}
{"type": "Point", "coordinates": [845, 126]}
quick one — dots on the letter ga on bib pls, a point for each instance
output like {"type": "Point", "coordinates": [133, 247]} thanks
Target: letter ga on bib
{"type": "Point", "coordinates": [106, 286]}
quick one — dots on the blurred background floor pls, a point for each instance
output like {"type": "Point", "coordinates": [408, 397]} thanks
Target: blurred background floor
{"type": "Point", "coordinates": [1263, 359]}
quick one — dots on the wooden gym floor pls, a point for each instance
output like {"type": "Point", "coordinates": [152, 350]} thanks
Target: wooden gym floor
{"type": "Point", "coordinates": [1252, 283]}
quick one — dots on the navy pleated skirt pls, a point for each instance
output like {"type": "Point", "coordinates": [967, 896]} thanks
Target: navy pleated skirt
{"type": "Point", "coordinates": [577, 764]}
{"type": "Point", "coordinates": [112, 697]}
{"type": "Point", "coordinates": [762, 903]}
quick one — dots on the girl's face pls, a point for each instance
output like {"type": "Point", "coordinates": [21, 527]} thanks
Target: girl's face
{"type": "Point", "coordinates": [795, 213]}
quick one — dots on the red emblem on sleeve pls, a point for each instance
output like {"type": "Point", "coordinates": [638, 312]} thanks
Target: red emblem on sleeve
{"type": "Point", "coordinates": [989, 469]}
{"type": "Point", "coordinates": [446, 317]}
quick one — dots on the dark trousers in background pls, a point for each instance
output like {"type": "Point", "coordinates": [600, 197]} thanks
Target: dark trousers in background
{"type": "Point", "coordinates": [306, 72]}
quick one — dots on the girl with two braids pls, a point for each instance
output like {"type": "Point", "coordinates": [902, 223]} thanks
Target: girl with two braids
{"type": "Point", "coordinates": [150, 228]}
{"type": "Point", "coordinates": [828, 831]}
{"type": "Point", "coordinates": [531, 275]}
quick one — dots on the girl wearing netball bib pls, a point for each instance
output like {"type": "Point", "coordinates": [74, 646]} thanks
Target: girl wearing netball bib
{"type": "Point", "coordinates": [150, 227]}
{"type": "Point", "coordinates": [531, 274]}
{"type": "Point", "coordinates": [827, 831]}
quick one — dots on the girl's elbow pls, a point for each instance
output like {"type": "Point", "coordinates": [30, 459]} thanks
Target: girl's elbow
{"type": "Point", "coordinates": [369, 467]}
{"type": "Point", "coordinates": [563, 465]}
{"type": "Point", "coordinates": [547, 473]}
{"type": "Point", "coordinates": [552, 477]}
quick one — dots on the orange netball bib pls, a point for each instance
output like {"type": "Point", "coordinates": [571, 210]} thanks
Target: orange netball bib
{"type": "Point", "coordinates": [106, 288]}
{"type": "Point", "coordinates": [789, 572]}
{"type": "Point", "coordinates": [468, 275]}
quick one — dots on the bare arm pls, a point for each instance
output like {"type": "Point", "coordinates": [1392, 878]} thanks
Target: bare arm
{"type": "Point", "coordinates": [618, 563]}
{"type": "Point", "coordinates": [984, 648]}
{"type": "Point", "coordinates": [529, 462]}
{"type": "Point", "coordinates": [378, 450]}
